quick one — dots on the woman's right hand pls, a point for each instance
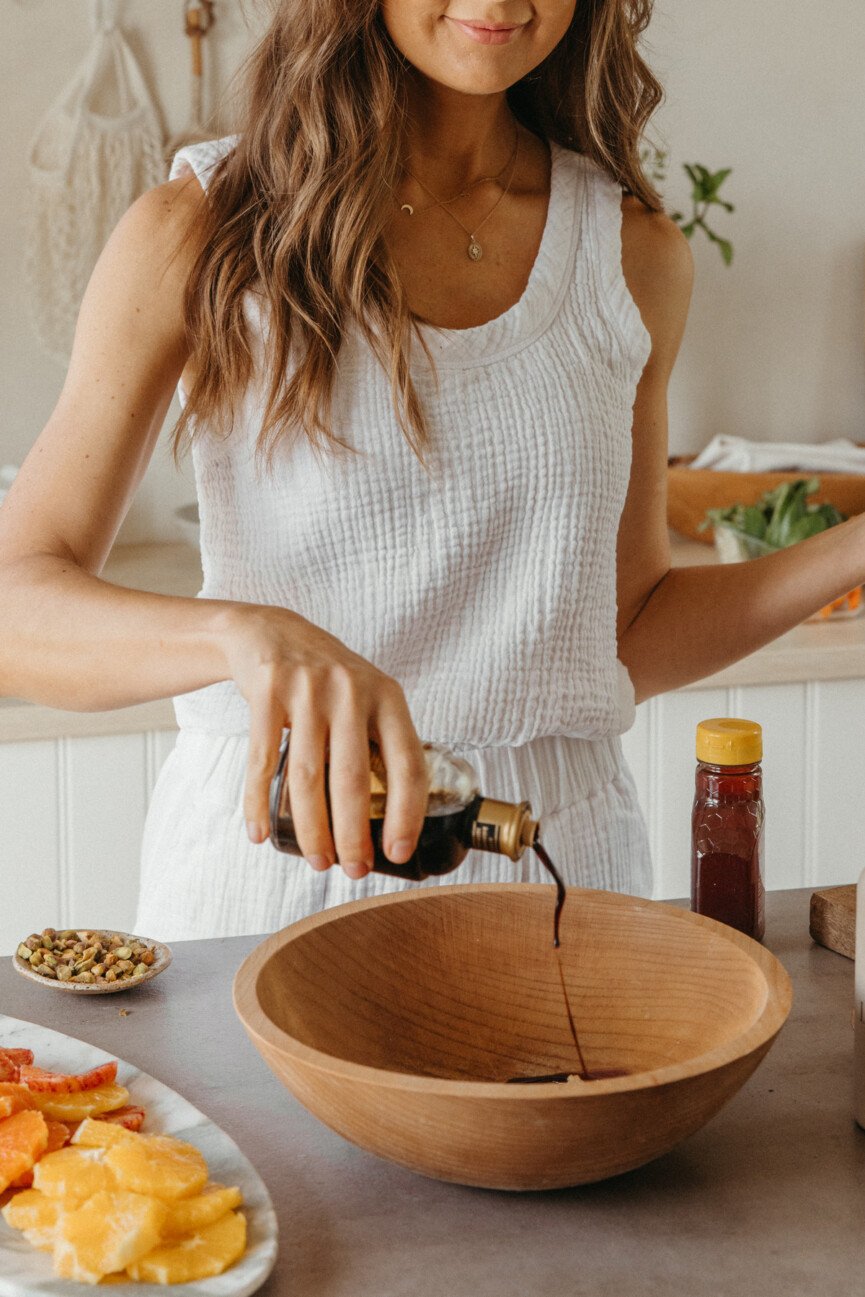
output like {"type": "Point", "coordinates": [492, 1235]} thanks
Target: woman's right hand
{"type": "Point", "coordinates": [295, 674]}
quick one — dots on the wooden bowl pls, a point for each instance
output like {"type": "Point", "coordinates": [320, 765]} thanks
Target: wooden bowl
{"type": "Point", "coordinates": [397, 1020]}
{"type": "Point", "coordinates": [691, 491]}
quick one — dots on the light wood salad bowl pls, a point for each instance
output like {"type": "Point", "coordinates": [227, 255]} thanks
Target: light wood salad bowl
{"type": "Point", "coordinates": [397, 1020]}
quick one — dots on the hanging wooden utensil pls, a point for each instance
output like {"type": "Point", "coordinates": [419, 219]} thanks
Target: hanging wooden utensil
{"type": "Point", "coordinates": [198, 20]}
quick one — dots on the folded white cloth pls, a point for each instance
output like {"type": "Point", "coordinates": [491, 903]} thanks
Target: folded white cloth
{"type": "Point", "coordinates": [7, 477]}
{"type": "Point", "coordinates": [738, 455]}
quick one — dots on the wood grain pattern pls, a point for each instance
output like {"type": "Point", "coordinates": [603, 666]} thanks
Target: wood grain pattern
{"type": "Point", "coordinates": [833, 919]}
{"type": "Point", "coordinates": [398, 1019]}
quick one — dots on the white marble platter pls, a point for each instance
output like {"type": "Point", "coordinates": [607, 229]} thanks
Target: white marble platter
{"type": "Point", "coordinates": [24, 1272]}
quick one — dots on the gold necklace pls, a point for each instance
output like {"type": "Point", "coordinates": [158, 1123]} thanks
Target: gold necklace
{"type": "Point", "coordinates": [474, 251]}
{"type": "Point", "coordinates": [410, 210]}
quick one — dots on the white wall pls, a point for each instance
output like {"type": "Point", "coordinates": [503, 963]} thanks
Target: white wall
{"type": "Point", "coordinates": [776, 90]}
{"type": "Point", "coordinates": [41, 45]}
{"type": "Point", "coordinates": [774, 347]}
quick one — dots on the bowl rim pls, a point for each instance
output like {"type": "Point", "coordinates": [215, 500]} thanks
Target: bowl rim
{"type": "Point", "coordinates": [161, 961]}
{"type": "Point", "coordinates": [264, 1033]}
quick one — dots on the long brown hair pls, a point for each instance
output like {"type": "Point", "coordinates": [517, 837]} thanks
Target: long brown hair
{"type": "Point", "coordinates": [297, 210]}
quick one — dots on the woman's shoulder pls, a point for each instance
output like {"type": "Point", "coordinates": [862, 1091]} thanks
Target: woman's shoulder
{"type": "Point", "coordinates": [654, 249]}
{"type": "Point", "coordinates": [659, 271]}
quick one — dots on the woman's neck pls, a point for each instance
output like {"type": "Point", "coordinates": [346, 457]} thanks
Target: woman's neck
{"type": "Point", "coordinates": [452, 138]}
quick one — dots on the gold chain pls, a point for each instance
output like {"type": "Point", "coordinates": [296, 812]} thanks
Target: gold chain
{"type": "Point", "coordinates": [474, 250]}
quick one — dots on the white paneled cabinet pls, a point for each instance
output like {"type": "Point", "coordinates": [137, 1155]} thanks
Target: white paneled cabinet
{"type": "Point", "coordinates": [73, 808]}
{"type": "Point", "coordinates": [72, 811]}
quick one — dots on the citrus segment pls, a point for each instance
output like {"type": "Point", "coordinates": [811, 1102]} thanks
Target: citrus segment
{"type": "Point", "coordinates": [130, 1118]}
{"type": "Point", "coordinates": [19, 1094]}
{"type": "Point", "coordinates": [37, 1079]}
{"type": "Point", "coordinates": [23, 1138]}
{"type": "Point", "coordinates": [73, 1174]}
{"type": "Point", "coordinates": [85, 1103]}
{"type": "Point", "coordinates": [10, 1062]}
{"type": "Point", "coordinates": [191, 1214]}
{"type": "Point", "coordinates": [18, 1056]}
{"type": "Point", "coordinates": [31, 1209]}
{"type": "Point", "coordinates": [108, 1233]}
{"type": "Point", "coordinates": [58, 1135]}
{"type": "Point", "coordinates": [207, 1252]}
{"type": "Point", "coordinates": [159, 1165]}
{"type": "Point", "coordinates": [8, 1069]}
{"type": "Point", "coordinates": [98, 1132]}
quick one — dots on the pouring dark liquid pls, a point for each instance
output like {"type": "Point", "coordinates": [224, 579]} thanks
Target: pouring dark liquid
{"type": "Point", "coordinates": [584, 1074]}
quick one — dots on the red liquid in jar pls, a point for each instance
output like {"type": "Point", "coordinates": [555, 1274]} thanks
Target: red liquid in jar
{"type": "Point", "coordinates": [727, 846]}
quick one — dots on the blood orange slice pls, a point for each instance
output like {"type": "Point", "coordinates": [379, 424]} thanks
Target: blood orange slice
{"type": "Point", "coordinates": [42, 1082]}
{"type": "Point", "coordinates": [130, 1118]}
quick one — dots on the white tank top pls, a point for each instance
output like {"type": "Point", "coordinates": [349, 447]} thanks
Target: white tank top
{"type": "Point", "coordinates": [485, 582]}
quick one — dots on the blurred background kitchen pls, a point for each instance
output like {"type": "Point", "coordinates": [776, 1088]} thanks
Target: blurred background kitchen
{"type": "Point", "coordinates": [774, 353]}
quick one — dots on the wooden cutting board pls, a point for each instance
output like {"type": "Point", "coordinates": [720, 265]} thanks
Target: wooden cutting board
{"type": "Point", "coordinates": [833, 919]}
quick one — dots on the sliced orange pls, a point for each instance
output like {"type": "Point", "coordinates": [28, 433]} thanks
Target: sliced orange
{"type": "Point", "coordinates": [58, 1136]}
{"type": "Point", "coordinates": [23, 1138]}
{"type": "Point", "coordinates": [18, 1093]}
{"type": "Point", "coordinates": [191, 1214]}
{"type": "Point", "coordinates": [73, 1174]}
{"type": "Point", "coordinates": [201, 1255]}
{"type": "Point", "coordinates": [158, 1165]}
{"type": "Point", "coordinates": [84, 1103]}
{"type": "Point", "coordinates": [96, 1132]}
{"type": "Point", "coordinates": [10, 1062]}
{"type": "Point", "coordinates": [38, 1080]}
{"type": "Point", "coordinates": [36, 1215]}
{"type": "Point", "coordinates": [130, 1118]}
{"type": "Point", "coordinates": [110, 1231]}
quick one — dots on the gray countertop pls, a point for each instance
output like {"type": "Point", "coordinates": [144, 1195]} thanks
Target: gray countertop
{"type": "Point", "coordinates": [767, 1199]}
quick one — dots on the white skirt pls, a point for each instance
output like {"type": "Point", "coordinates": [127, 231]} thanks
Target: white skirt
{"type": "Point", "coordinates": [202, 877]}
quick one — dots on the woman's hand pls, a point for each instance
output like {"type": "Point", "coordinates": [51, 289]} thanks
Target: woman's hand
{"type": "Point", "coordinates": [292, 673]}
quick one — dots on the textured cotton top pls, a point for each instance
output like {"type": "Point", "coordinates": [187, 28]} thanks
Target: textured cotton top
{"type": "Point", "coordinates": [484, 580]}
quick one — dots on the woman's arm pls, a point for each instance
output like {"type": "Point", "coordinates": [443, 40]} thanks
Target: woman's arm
{"type": "Point", "coordinates": [71, 640]}
{"type": "Point", "coordinates": [679, 625]}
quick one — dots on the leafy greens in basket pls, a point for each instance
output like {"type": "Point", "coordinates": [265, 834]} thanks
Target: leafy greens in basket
{"type": "Point", "coordinates": [780, 518]}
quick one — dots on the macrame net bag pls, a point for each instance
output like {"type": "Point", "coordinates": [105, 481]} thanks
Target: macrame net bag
{"type": "Point", "coordinates": [98, 148]}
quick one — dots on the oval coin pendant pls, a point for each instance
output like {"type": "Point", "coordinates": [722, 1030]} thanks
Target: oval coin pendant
{"type": "Point", "coordinates": [475, 251]}
{"type": "Point", "coordinates": [407, 207]}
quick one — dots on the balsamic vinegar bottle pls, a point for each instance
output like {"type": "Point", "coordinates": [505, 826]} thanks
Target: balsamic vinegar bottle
{"type": "Point", "coordinates": [458, 817]}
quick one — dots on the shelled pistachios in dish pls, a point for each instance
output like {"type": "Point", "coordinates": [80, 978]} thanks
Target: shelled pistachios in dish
{"type": "Point", "coordinates": [86, 957]}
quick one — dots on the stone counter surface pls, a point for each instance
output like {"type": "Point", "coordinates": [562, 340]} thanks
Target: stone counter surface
{"type": "Point", "coordinates": [768, 1199]}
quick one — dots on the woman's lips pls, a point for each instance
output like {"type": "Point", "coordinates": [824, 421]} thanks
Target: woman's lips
{"type": "Point", "coordinates": [494, 34]}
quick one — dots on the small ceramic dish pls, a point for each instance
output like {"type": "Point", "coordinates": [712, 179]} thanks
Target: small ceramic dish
{"type": "Point", "coordinates": [162, 958]}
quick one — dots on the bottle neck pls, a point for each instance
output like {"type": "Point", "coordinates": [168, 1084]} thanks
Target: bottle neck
{"type": "Point", "coordinates": [754, 768]}
{"type": "Point", "coordinates": [506, 828]}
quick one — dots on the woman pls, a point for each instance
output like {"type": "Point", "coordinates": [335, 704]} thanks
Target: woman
{"type": "Point", "coordinates": [424, 343]}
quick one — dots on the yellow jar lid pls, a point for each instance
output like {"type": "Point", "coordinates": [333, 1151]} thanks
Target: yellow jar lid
{"type": "Point", "coordinates": [726, 741]}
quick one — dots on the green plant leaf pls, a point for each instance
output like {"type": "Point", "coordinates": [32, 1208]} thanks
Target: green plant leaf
{"type": "Point", "coordinates": [717, 178]}
{"type": "Point", "coordinates": [725, 247]}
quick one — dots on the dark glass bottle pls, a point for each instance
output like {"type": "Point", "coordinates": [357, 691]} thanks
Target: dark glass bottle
{"type": "Point", "coordinates": [727, 825]}
{"type": "Point", "coordinates": [458, 817]}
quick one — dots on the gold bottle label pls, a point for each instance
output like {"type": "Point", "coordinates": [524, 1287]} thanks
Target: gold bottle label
{"type": "Point", "coordinates": [505, 828]}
